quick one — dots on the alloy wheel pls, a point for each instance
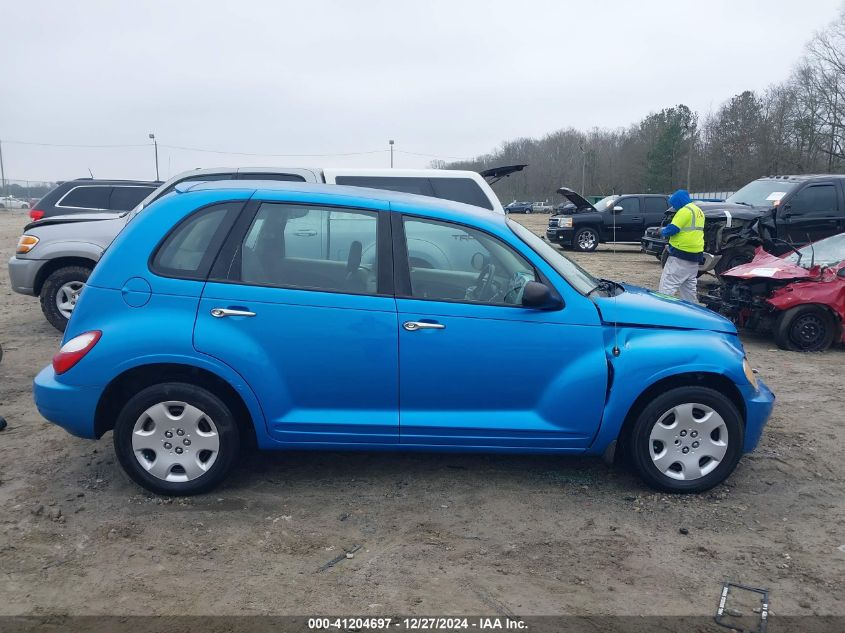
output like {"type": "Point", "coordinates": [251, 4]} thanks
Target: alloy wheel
{"type": "Point", "coordinates": [688, 441]}
{"type": "Point", "coordinates": [67, 296]}
{"type": "Point", "coordinates": [175, 441]}
{"type": "Point", "coordinates": [587, 240]}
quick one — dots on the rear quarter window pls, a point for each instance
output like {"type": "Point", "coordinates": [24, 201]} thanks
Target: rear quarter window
{"type": "Point", "coordinates": [94, 197]}
{"type": "Point", "coordinates": [190, 248]}
{"type": "Point", "coordinates": [463, 190]}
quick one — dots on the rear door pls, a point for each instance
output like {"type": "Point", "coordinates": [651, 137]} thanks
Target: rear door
{"type": "Point", "coordinates": [811, 213]}
{"type": "Point", "coordinates": [654, 208]}
{"type": "Point", "coordinates": [309, 321]}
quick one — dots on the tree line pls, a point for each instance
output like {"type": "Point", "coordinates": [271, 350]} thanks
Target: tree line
{"type": "Point", "coordinates": [790, 128]}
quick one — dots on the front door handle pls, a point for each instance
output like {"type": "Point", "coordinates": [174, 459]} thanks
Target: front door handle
{"type": "Point", "coordinates": [227, 312]}
{"type": "Point", "coordinates": [413, 326]}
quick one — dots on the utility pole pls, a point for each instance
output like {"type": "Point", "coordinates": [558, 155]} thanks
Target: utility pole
{"type": "Point", "coordinates": [390, 142]}
{"type": "Point", "coordinates": [155, 144]}
{"type": "Point", "coordinates": [2, 171]}
{"type": "Point", "coordinates": [583, 169]}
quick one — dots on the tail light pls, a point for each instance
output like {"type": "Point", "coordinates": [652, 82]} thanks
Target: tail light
{"type": "Point", "coordinates": [75, 350]}
{"type": "Point", "coordinates": [35, 214]}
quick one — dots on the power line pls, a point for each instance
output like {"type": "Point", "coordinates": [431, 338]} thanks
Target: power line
{"type": "Point", "coordinates": [73, 145]}
{"type": "Point", "coordinates": [214, 151]}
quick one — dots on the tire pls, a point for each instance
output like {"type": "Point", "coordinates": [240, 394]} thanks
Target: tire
{"type": "Point", "coordinates": [209, 446]}
{"type": "Point", "coordinates": [69, 281]}
{"type": "Point", "coordinates": [666, 428]}
{"type": "Point", "coordinates": [734, 257]}
{"type": "Point", "coordinates": [528, 212]}
{"type": "Point", "coordinates": [585, 240]}
{"type": "Point", "coordinates": [807, 328]}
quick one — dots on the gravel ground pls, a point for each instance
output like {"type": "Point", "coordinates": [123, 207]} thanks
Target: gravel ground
{"type": "Point", "coordinates": [437, 533]}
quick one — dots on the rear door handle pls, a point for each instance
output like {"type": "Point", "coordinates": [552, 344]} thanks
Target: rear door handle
{"type": "Point", "coordinates": [227, 312]}
{"type": "Point", "coordinates": [413, 326]}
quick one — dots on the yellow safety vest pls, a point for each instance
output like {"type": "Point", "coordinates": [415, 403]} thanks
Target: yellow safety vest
{"type": "Point", "coordinates": [690, 239]}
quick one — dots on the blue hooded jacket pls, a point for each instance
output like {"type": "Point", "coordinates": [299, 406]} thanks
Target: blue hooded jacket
{"type": "Point", "coordinates": [678, 200]}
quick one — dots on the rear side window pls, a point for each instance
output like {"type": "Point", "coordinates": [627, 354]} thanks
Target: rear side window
{"type": "Point", "coordinates": [86, 197]}
{"type": "Point", "coordinates": [189, 250]}
{"type": "Point", "coordinates": [463, 190]}
{"type": "Point", "coordinates": [815, 200]}
{"type": "Point", "coordinates": [293, 246]}
{"type": "Point", "coordinates": [419, 186]}
{"type": "Point", "coordinates": [656, 205]}
{"type": "Point", "coordinates": [126, 198]}
{"type": "Point", "coordinates": [269, 176]}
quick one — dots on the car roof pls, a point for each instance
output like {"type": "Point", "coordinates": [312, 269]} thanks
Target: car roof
{"type": "Point", "coordinates": [346, 195]}
{"type": "Point", "coordinates": [801, 177]}
{"type": "Point", "coordinates": [101, 182]}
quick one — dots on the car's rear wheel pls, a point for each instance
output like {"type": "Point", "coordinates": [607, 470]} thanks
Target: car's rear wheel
{"type": "Point", "coordinates": [586, 240]}
{"type": "Point", "coordinates": [60, 292]}
{"type": "Point", "coordinates": [528, 211]}
{"type": "Point", "coordinates": [176, 439]}
{"type": "Point", "coordinates": [688, 439]}
{"type": "Point", "coordinates": [805, 328]}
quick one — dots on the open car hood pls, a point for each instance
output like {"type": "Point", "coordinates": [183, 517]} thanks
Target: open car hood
{"type": "Point", "coordinates": [495, 174]}
{"type": "Point", "coordinates": [768, 266]}
{"type": "Point", "coordinates": [580, 202]}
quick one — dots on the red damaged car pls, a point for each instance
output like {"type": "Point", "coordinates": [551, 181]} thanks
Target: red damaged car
{"type": "Point", "coordinates": [799, 297]}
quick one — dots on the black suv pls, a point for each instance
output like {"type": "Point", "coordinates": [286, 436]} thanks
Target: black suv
{"type": "Point", "coordinates": [776, 212]}
{"type": "Point", "coordinates": [583, 225]}
{"type": "Point", "coordinates": [86, 195]}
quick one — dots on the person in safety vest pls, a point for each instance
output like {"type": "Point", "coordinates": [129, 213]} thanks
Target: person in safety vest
{"type": "Point", "coordinates": [686, 247]}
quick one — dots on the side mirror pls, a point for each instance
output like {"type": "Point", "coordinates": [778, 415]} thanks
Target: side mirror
{"type": "Point", "coordinates": [841, 272]}
{"type": "Point", "coordinates": [540, 297]}
{"type": "Point", "coordinates": [618, 208]}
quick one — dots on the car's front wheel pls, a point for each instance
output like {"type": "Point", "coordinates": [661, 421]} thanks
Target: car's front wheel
{"type": "Point", "coordinates": [176, 439]}
{"type": "Point", "coordinates": [688, 439]}
{"type": "Point", "coordinates": [806, 328]}
{"type": "Point", "coordinates": [586, 240]}
{"type": "Point", "coordinates": [60, 292]}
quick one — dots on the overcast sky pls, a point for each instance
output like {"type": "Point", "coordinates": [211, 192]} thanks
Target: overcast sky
{"type": "Point", "coordinates": [445, 78]}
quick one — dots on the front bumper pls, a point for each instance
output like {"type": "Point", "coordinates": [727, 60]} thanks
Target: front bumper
{"type": "Point", "coordinates": [69, 406]}
{"type": "Point", "coordinates": [652, 246]}
{"type": "Point", "coordinates": [23, 273]}
{"type": "Point", "coordinates": [560, 235]}
{"type": "Point", "coordinates": [758, 408]}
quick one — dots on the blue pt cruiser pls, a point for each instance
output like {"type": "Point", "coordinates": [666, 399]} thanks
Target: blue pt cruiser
{"type": "Point", "coordinates": [334, 318]}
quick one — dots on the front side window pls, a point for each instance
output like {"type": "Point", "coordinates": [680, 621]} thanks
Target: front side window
{"type": "Point", "coordinates": [316, 248]}
{"type": "Point", "coordinates": [815, 200]}
{"type": "Point", "coordinates": [630, 206]}
{"type": "Point", "coordinates": [450, 262]}
{"type": "Point", "coordinates": [86, 197]}
{"type": "Point", "coordinates": [191, 247]}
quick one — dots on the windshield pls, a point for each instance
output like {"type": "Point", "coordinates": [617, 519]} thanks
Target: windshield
{"type": "Point", "coordinates": [762, 193]}
{"type": "Point", "coordinates": [827, 252]}
{"type": "Point", "coordinates": [604, 203]}
{"type": "Point", "coordinates": [577, 277]}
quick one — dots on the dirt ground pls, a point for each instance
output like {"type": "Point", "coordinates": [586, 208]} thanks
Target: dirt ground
{"type": "Point", "coordinates": [437, 533]}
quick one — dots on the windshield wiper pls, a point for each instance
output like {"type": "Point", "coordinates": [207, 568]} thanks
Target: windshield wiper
{"type": "Point", "coordinates": [747, 204]}
{"type": "Point", "coordinates": [605, 285]}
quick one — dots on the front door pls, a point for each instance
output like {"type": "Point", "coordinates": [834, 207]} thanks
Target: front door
{"type": "Point", "coordinates": [476, 368]}
{"type": "Point", "coordinates": [629, 221]}
{"type": "Point", "coordinates": [812, 213]}
{"type": "Point", "coordinates": [295, 306]}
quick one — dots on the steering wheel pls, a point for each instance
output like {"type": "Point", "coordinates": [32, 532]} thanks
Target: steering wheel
{"type": "Point", "coordinates": [484, 282]}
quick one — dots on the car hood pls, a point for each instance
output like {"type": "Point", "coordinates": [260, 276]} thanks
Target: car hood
{"type": "Point", "coordinates": [766, 265]}
{"type": "Point", "coordinates": [581, 203]}
{"type": "Point", "coordinates": [644, 308]}
{"type": "Point", "coordinates": [75, 217]}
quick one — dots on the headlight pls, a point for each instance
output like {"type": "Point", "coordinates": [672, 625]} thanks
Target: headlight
{"type": "Point", "coordinates": [26, 243]}
{"type": "Point", "coordinates": [565, 222]}
{"type": "Point", "coordinates": [749, 373]}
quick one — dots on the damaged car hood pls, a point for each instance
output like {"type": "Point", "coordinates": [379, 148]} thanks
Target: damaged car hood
{"type": "Point", "coordinates": [644, 308]}
{"type": "Point", "coordinates": [771, 267]}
